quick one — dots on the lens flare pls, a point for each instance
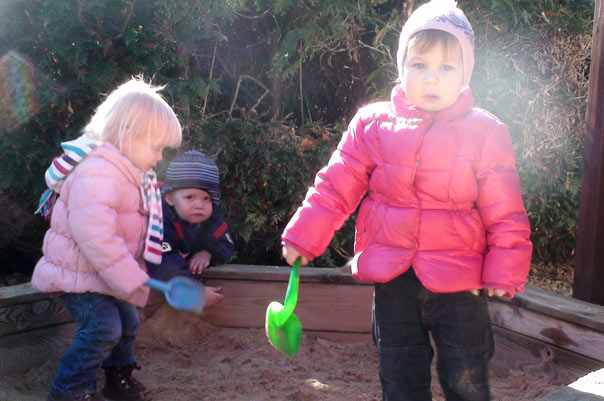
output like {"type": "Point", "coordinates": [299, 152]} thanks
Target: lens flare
{"type": "Point", "coordinates": [18, 91]}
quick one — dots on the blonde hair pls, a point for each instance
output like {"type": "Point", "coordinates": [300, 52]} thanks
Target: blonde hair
{"type": "Point", "coordinates": [135, 112]}
{"type": "Point", "coordinates": [428, 38]}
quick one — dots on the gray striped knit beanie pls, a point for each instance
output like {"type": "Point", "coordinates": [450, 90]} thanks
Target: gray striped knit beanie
{"type": "Point", "coordinates": [193, 170]}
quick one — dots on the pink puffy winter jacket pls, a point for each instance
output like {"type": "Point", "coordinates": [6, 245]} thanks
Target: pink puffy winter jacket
{"type": "Point", "coordinates": [444, 197]}
{"type": "Point", "coordinates": [97, 231]}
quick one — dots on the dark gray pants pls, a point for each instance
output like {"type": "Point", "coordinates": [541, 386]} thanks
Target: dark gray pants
{"type": "Point", "coordinates": [404, 313]}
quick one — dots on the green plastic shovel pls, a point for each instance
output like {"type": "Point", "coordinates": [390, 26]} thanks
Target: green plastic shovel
{"type": "Point", "coordinates": [181, 293]}
{"type": "Point", "coordinates": [283, 328]}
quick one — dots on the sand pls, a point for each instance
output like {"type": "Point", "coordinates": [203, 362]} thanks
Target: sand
{"type": "Point", "coordinates": [184, 358]}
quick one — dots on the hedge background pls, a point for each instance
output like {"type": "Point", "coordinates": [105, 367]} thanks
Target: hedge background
{"type": "Point", "coordinates": [265, 88]}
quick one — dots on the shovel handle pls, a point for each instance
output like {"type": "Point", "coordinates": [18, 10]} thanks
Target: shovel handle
{"type": "Point", "coordinates": [158, 285]}
{"type": "Point", "coordinates": [291, 295]}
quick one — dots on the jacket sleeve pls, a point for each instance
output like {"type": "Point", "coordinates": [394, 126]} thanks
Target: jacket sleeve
{"type": "Point", "coordinates": [93, 223]}
{"type": "Point", "coordinates": [217, 240]}
{"type": "Point", "coordinates": [338, 189]}
{"type": "Point", "coordinates": [171, 243]}
{"type": "Point", "coordinates": [172, 264]}
{"type": "Point", "coordinates": [509, 249]}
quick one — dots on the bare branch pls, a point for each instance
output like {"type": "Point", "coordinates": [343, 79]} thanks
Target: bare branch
{"type": "Point", "coordinates": [241, 77]}
{"type": "Point", "coordinates": [127, 20]}
{"type": "Point", "coordinates": [235, 97]}
{"type": "Point", "coordinates": [301, 98]}
{"type": "Point", "coordinates": [205, 100]}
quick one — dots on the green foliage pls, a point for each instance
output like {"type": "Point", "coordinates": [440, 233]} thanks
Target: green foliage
{"type": "Point", "coordinates": [265, 171]}
{"type": "Point", "coordinates": [544, 17]}
{"type": "Point", "coordinates": [71, 53]}
{"type": "Point", "coordinates": [264, 86]}
{"type": "Point", "coordinates": [532, 62]}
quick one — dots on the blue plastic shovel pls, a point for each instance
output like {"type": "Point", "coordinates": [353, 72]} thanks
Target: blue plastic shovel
{"type": "Point", "coordinates": [181, 293]}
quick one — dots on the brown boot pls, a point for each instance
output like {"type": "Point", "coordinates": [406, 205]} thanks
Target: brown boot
{"type": "Point", "coordinates": [120, 385]}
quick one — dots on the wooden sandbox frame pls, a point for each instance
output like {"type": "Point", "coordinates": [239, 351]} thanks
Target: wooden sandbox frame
{"type": "Point", "coordinates": [544, 335]}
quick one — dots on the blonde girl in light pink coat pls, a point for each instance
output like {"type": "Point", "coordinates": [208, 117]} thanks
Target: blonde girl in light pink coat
{"type": "Point", "coordinates": [105, 221]}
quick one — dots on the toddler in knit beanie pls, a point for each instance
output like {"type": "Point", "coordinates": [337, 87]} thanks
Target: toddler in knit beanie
{"type": "Point", "coordinates": [445, 16]}
{"type": "Point", "coordinates": [193, 169]}
{"type": "Point", "coordinates": [196, 233]}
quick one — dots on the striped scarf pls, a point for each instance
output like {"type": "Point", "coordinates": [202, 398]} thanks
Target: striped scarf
{"type": "Point", "coordinates": [74, 152]}
{"type": "Point", "coordinates": [155, 230]}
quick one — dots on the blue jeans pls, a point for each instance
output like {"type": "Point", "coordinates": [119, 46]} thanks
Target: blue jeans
{"type": "Point", "coordinates": [107, 328]}
{"type": "Point", "coordinates": [404, 313]}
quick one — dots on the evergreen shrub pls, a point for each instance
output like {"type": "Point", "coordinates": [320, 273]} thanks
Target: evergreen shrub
{"type": "Point", "coordinates": [266, 169]}
{"type": "Point", "coordinates": [266, 88]}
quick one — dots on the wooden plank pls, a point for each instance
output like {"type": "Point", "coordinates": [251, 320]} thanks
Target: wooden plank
{"type": "Point", "coordinates": [538, 359]}
{"type": "Point", "coordinates": [559, 307]}
{"type": "Point", "coordinates": [589, 259]}
{"type": "Point", "coordinates": [22, 351]}
{"type": "Point", "coordinates": [36, 314]}
{"type": "Point", "coordinates": [569, 336]}
{"type": "Point", "coordinates": [281, 273]}
{"type": "Point", "coordinates": [21, 293]}
{"type": "Point", "coordinates": [321, 307]}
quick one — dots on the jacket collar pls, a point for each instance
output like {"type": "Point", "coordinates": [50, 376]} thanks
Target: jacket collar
{"type": "Point", "coordinates": [114, 156]}
{"type": "Point", "coordinates": [404, 108]}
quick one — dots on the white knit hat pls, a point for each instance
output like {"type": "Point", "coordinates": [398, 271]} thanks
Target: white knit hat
{"type": "Point", "coordinates": [445, 16]}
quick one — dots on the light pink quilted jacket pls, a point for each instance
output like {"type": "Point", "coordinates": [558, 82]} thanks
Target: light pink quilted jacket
{"type": "Point", "coordinates": [444, 197]}
{"type": "Point", "coordinates": [97, 231]}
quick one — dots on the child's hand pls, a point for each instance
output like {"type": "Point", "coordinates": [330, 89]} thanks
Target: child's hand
{"type": "Point", "coordinates": [213, 295]}
{"type": "Point", "coordinates": [199, 261]}
{"type": "Point", "coordinates": [496, 291]}
{"type": "Point", "coordinates": [290, 255]}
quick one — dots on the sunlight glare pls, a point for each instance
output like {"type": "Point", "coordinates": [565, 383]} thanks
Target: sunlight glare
{"type": "Point", "coordinates": [18, 91]}
{"type": "Point", "coordinates": [315, 384]}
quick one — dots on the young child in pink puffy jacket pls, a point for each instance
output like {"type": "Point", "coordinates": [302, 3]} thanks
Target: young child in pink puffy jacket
{"type": "Point", "coordinates": [443, 226]}
{"type": "Point", "coordinates": [105, 222]}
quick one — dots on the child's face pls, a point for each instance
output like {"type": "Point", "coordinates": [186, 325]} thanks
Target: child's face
{"type": "Point", "coordinates": [433, 78]}
{"type": "Point", "coordinates": [142, 155]}
{"type": "Point", "coordinates": [191, 204]}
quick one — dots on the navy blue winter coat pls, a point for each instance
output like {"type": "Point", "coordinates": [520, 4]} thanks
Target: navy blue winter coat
{"type": "Point", "coordinates": [183, 238]}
